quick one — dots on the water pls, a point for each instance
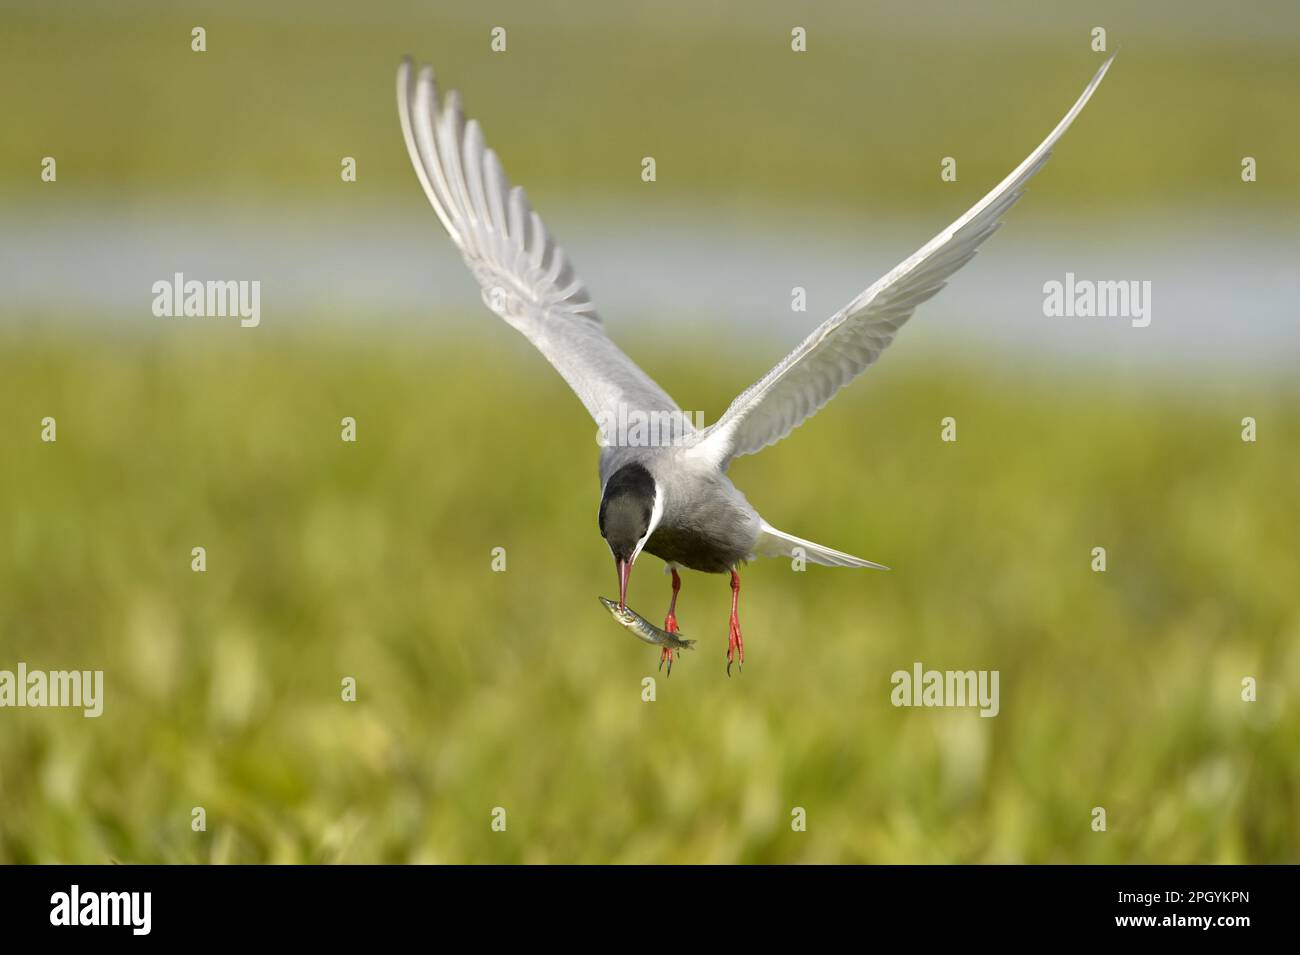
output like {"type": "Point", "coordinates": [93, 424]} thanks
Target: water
{"type": "Point", "coordinates": [1224, 294]}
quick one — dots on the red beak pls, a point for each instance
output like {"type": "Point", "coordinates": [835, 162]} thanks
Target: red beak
{"type": "Point", "coordinates": [624, 571]}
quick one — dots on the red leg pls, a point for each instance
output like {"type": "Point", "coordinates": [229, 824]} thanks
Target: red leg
{"type": "Point", "coordinates": [670, 623]}
{"type": "Point", "coordinates": [735, 642]}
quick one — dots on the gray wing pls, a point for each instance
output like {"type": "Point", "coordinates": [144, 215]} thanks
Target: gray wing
{"type": "Point", "coordinates": [525, 275]}
{"type": "Point", "coordinates": [852, 339]}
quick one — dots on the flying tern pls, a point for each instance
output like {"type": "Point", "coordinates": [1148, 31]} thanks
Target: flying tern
{"type": "Point", "coordinates": [671, 498]}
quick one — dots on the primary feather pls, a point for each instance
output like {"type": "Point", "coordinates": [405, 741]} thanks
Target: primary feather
{"type": "Point", "coordinates": [525, 276]}
{"type": "Point", "coordinates": [847, 343]}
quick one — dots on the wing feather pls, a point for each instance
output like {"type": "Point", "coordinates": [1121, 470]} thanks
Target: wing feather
{"type": "Point", "coordinates": [525, 276]}
{"type": "Point", "coordinates": [851, 340]}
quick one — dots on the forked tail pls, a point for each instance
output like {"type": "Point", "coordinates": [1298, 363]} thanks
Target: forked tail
{"type": "Point", "coordinates": [775, 543]}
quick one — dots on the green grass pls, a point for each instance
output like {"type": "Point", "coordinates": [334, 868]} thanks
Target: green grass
{"type": "Point", "coordinates": [733, 117]}
{"type": "Point", "coordinates": [479, 689]}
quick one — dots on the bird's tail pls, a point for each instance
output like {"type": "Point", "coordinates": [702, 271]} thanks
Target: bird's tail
{"type": "Point", "coordinates": [775, 543]}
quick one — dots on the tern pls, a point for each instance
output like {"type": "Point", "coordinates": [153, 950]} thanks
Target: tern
{"type": "Point", "coordinates": [671, 498]}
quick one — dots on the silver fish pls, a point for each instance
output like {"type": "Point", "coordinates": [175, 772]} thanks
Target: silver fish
{"type": "Point", "coordinates": [643, 629]}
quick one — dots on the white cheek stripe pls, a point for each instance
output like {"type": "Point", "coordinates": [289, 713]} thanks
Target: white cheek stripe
{"type": "Point", "coordinates": [656, 513]}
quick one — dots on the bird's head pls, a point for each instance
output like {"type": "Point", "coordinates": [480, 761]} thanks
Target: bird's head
{"type": "Point", "coordinates": [630, 509]}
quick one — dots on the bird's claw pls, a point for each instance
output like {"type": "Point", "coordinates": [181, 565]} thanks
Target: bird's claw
{"type": "Point", "coordinates": [735, 647]}
{"type": "Point", "coordinates": [666, 654]}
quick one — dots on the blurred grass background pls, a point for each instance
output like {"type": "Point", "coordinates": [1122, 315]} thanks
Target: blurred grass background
{"type": "Point", "coordinates": [711, 89]}
{"type": "Point", "coordinates": [479, 689]}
